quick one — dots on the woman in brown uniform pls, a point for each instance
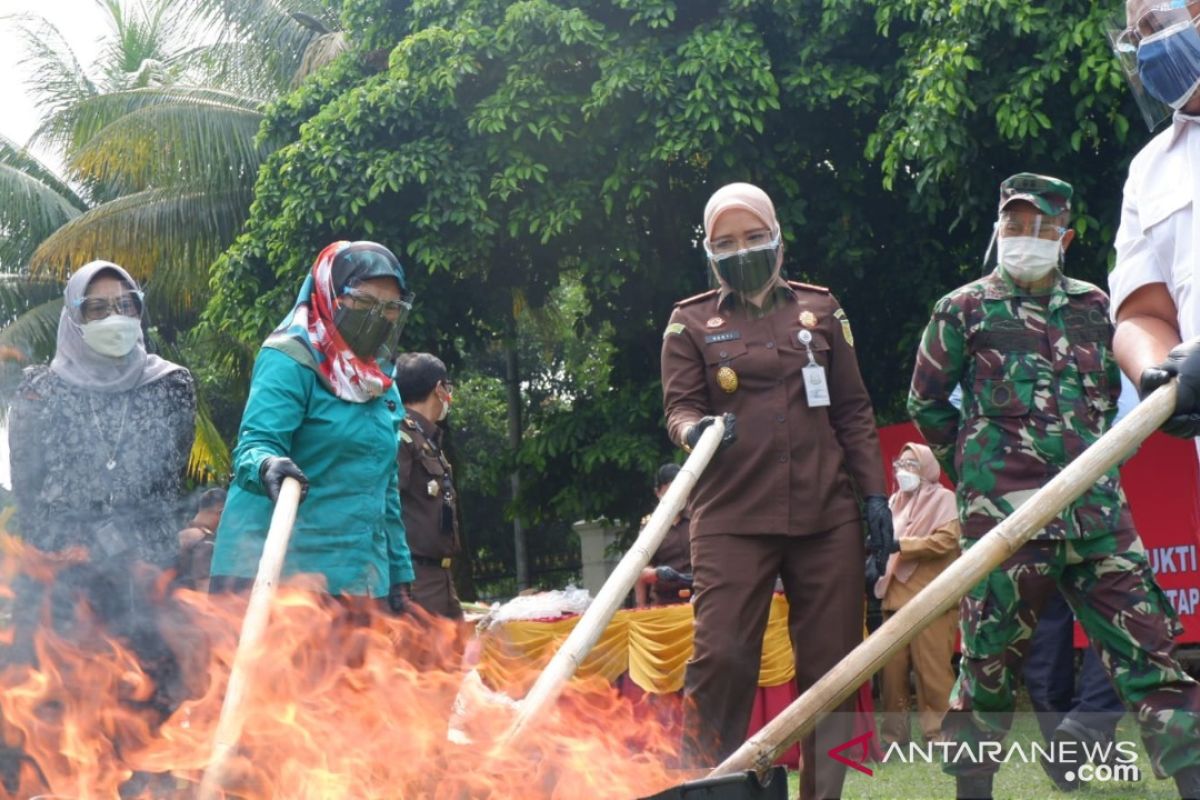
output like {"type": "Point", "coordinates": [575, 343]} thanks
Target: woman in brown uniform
{"type": "Point", "coordinates": [782, 497]}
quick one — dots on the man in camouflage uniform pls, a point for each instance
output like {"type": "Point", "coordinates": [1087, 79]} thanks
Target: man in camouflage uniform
{"type": "Point", "coordinates": [1032, 351]}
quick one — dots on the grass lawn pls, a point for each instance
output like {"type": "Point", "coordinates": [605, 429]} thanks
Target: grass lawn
{"type": "Point", "coordinates": [1015, 781]}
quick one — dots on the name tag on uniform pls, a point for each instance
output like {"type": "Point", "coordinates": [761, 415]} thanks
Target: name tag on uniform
{"type": "Point", "coordinates": [816, 389]}
{"type": "Point", "coordinates": [726, 336]}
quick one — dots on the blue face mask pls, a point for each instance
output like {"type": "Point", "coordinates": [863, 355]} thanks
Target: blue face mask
{"type": "Point", "coordinates": [1169, 64]}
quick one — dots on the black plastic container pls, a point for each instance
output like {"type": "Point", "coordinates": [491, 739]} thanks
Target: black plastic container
{"type": "Point", "coordinates": [744, 786]}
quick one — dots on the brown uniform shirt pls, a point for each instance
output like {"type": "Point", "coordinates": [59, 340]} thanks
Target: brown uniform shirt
{"type": "Point", "coordinates": [425, 479]}
{"type": "Point", "coordinates": [793, 469]}
{"type": "Point", "coordinates": [674, 552]}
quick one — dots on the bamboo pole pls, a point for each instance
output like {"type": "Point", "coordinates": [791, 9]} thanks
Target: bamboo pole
{"type": "Point", "coordinates": [801, 717]}
{"type": "Point", "coordinates": [258, 611]}
{"type": "Point", "coordinates": [593, 622]}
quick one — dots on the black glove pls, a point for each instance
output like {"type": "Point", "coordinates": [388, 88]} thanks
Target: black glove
{"type": "Point", "coordinates": [1183, 361]}
{"type": "Point", "coordinates": [400, 598]}
{"type": "Point", "coordinates": [881, 541]}
{"type": "Point", "coordinates": [730, 436]}
{"type": "Point", "coordinates": [274, 469]}
{"type": "Point", "coordinates": [671, 579]}
{"type": "Point", "coordinates": [872, 574]}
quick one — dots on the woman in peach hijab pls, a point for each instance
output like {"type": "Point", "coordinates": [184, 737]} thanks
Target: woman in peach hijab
{"type": "Point", "coordinates": [797, 475]}
{"type": "Point", "coordinates": [926, 524]}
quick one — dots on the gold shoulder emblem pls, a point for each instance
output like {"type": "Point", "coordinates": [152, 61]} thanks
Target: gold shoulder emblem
{"type": "Point", "coordinates": [847, 334]}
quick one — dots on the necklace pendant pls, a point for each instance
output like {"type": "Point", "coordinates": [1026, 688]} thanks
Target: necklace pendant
{"type": "Point", "coordinates": [111, 464]}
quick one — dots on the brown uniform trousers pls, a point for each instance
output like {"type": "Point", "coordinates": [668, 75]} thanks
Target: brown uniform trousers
{"type": "Point", "coordinates": [780, 501]}
{"type": "Point", "coordinates": [426, 492]}
{"type": "Point", "coordinates": [929, 655]}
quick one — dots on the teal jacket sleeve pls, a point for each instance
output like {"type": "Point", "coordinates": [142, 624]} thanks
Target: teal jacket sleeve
{"type": "Point", "coordinates": [939, 368]}
{"type": "Point", "coordinates": [275, 410]}
{"type": "Point", "coordinates": [400, 569]}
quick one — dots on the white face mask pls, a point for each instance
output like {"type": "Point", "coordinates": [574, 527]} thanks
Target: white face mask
{"type": "Point", "coordinates": [909, 481]}
{"type": "Point", "coordinates": [113, 336]}
{"type": "Point", "coordinates": [1028, 258]}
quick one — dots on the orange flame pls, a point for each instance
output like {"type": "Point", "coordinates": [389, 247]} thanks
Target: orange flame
{"type": "Point", "coordinates": [344, 703]}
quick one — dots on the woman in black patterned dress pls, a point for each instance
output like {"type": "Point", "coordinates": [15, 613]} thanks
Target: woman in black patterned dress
{"type": "Point", "coordinates": [99, 440]}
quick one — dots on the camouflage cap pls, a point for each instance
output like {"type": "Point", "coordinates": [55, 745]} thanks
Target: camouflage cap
{"type": "Point", "coordinates": [1049, 195]}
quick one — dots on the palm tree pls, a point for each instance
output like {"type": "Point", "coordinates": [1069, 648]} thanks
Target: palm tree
{"type": "Point", "coordinates": [160, 147]}
{"type": "Point", "coordinates": [36, 203]}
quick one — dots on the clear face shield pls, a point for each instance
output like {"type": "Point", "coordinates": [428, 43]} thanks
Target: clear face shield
{"type": "Point", "coordinates": [746, 270]}
{"type": "Point", "coordinates": [1029, 246]}
{"type": "Point", "coordinates": [370, 325]}
{"type": "Point", "coordinates": [1029, 226]}
{"type": "Point", "coordinates": [1024, 232]}
{"type": "Point", "coordinates": [1160, 56]}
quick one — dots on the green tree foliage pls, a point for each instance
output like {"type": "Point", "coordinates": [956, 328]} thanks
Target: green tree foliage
{"type": "Point", "coordinates": [510, 151]}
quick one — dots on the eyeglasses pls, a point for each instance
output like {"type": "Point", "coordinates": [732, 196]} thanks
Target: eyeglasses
{"type": "Point", "coordinates": [127, 304]}
{"type": "Point", "coordinates": [906, 464]}
{"type": "Point", "coordinates": [449, 384]}
{"type": "Point", "coordinates": [391, 310]}
{"type": "Point", "coordinates": [728, 246]}
{"type": "Point", "coordinates": [1156, 18]}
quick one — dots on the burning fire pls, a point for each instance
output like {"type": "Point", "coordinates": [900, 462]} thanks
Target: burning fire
{"type": "Point", "coordinates": [343, 703]}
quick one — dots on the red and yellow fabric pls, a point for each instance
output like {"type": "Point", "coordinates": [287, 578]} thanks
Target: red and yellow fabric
{"type": "Point", "coordinates": [651, 644]}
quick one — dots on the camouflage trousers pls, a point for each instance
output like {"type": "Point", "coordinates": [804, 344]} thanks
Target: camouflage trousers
{"type": "Point", "coordinates": [1128, 619]}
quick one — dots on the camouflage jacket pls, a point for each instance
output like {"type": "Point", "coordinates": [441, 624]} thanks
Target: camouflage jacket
{"type": "Point", "coordinates": [1039, 385]}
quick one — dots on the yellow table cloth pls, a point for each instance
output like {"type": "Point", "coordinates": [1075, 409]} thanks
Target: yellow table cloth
{"type": "Point", "coordinates": [652, 644]}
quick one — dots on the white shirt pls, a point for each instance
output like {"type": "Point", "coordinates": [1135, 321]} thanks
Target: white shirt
{"type": "Point", "coordinates": [1158, 238]}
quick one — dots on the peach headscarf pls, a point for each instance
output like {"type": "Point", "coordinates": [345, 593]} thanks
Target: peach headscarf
{"type": "Point", "coordinates": [740, 195]}
{"type": "Point", "coordinates": [753, 199]}
{"type": "Point", "coordinates": [917, 513]}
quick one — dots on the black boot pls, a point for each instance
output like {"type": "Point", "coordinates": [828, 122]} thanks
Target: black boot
{"type": "Point", "coordinates": [973, 787]}
{"type": "Point", "coordinates": [1188, 781]}
{"type": "Point", "coordinates": [1059, 767]}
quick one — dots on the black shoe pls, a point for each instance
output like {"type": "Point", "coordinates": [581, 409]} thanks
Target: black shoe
{"type": "Point", "coordinates": [1058, 773]}
{"type": "Point", "coordinates": [973, 787]}
{"type": "Point", "coordinates": [1062, 770]}
{"type": "Point", "coordinates": [1188, 781]}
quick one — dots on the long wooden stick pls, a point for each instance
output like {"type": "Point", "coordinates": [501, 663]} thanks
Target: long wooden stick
{"type": "Point", "coordinates": [801, 717]}
{"type": "Point", "coordinates": [258, 611]}
{"type": "Point", "coordinates": [593, 622]}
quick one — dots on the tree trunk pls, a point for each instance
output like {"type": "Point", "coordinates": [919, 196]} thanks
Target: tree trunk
{"type": "Point", "coordinates": [512, 382]}
{"type": "Point", "coordinates": [464, 562]}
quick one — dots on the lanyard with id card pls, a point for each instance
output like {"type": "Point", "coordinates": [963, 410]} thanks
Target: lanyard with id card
{"type": "Point", "coordinates": [816, 388]}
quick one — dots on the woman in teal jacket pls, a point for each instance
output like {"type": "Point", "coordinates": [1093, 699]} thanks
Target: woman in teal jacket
{"type": "Point", "coordinates": [322, 411]}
